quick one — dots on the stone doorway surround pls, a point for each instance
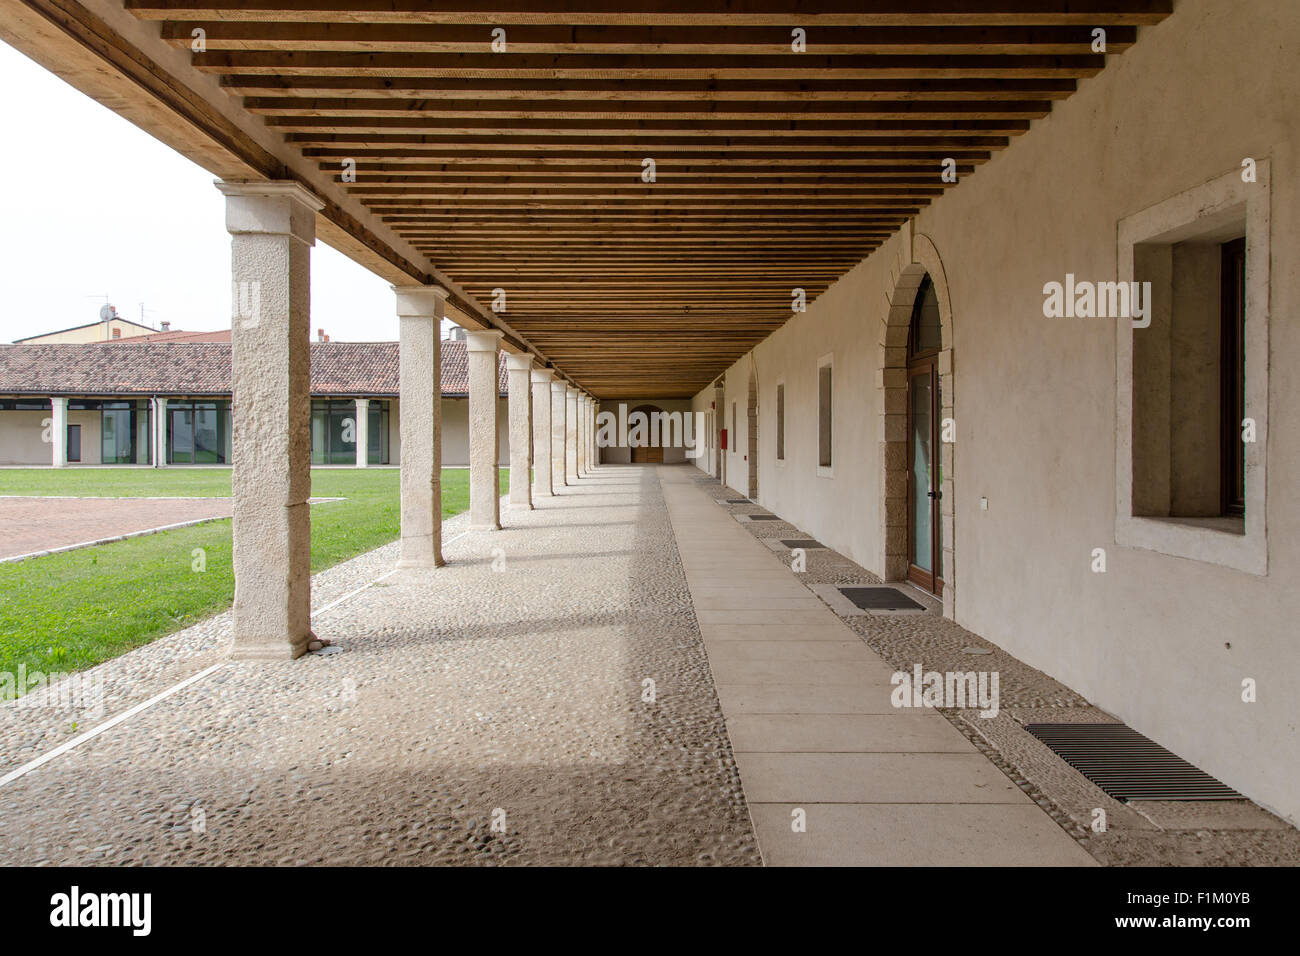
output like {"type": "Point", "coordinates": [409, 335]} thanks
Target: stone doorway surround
{"type": "Point", "coordinates": [905, 279]}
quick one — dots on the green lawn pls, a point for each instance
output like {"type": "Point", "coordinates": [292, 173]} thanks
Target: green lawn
{"type": "Point", "coordinates": [68, 611]}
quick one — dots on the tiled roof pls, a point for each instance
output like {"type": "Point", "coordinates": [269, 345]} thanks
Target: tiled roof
{"type": "Point", "coordinates": [203, 368]}
{"type": "Point", "coordinates": [177, 335]}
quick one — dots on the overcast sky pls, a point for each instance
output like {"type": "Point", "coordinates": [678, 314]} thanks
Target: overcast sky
{"type": "Point", "coordinates": [93, 207]}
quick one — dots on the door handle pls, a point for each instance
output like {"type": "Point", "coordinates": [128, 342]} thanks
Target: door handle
{"type": "Point", "coordinates": [934, 494]}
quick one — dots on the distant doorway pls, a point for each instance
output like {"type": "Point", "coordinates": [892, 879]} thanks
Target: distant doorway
{"type": "Point", "coordinates": [647, 454]}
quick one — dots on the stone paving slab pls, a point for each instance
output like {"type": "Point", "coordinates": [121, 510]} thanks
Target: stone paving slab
{"type": "Point", "coordinates": [879, 785]}
{"type": "Point", "coordinates": [901, 834]}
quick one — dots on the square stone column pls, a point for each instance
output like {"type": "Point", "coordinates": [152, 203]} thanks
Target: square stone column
{"type": "Point", "coordinates": [571, 433]}
{"type": "Point", "coordinates": [272, 227]}
{"type": "Point", "coordinates": [59, 431]}
{"type": "Point", "coordinates": [481, 346]}
{"type": "Point", "coordinates": [518, 369]}
{"type": "Point", "coordinates": [361, 431]}
{"type": "Point", "coordinates": [559, 418]}
{"type": "Point", "coordinates": [542, 483]}
{"type": "Point", "coordinates": [159, 437]}
{"type": "Point", "coordinates": [581, 444]}
{"type": "Point", "coordinates": [419, 315]}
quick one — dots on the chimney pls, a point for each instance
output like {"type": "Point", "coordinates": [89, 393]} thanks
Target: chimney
{"type": "Point", "coordinates": [166, 326]}
{"type": "Point", "coordinates": [320, 336]}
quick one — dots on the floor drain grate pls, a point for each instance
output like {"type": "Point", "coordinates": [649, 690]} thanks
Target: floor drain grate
{"type": "Point", "coordinates": [804, 543]}
{"type": "Point", "coordinates": [764, 517]}
{"type": "Point", "coordinates": [739, 501]}
{"type": "Point", "coordinates": [1128, 766]}
{"type": "Point", "coordinates": [881, 599]}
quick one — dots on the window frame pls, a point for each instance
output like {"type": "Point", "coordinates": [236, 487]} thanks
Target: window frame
{"type": "Point", "coordinates": [1196, 212]}
{"type": "Point", "coordinates": [826, 362]}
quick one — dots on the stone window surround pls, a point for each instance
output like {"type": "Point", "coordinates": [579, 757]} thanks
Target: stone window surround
{"type": "Point", "coordinates": [1198, 211]}
{"type": "Point", "coordinates": [826, 361]}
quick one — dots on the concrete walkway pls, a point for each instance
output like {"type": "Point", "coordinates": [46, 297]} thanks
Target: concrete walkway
{"type": "Point", "coordinates": [807, 707]}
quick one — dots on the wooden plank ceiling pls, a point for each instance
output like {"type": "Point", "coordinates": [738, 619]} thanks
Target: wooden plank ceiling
{"type": "Point", "coordinates": [522, 170]}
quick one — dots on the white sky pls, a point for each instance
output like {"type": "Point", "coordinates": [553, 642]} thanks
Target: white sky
{"type": "Point", "coordinates": [93, 206]}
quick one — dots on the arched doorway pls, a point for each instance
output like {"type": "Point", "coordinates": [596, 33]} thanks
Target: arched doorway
{"type": "Point", "coordinates": [647, 454]}
{"type": "Point", "coordinates": [919, 428]}
{"type": "Point", "coordinates": [751, 445]}
{"type": "Point", "coordinates": [924, 462]}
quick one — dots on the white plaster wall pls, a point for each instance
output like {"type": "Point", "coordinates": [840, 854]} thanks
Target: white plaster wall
{"type": "Point", "coordinates": [1035, 400]}
{"type": "Point", "coordinates": [20, 438]}
{"type": "Point", "coordinates": [455, 432]}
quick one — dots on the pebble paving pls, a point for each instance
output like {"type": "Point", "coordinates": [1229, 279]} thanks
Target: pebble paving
{"type": "Point", "coordinates": [543, 699]}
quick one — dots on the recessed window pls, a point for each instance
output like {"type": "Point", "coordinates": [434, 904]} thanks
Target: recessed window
{"type": "Point", "coordinates": [1188, 380]}
{"type": "Point", "coordinates": [1192, 375]}
{"type": "Point", "coordinates": [780, 421]}
{"type": "Point", "coordinates": [824, 413]}
{"type": "Point", "coordinates": [734, 440]}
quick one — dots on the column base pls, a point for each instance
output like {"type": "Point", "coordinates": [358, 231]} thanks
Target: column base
{"type": "Point", "coordinates": [485, 527]}
{"type": "Point", "coordinates": [270, 650]}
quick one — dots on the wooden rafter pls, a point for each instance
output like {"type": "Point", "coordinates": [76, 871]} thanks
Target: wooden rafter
{"type": "Point", "coordinates": [526, 170]}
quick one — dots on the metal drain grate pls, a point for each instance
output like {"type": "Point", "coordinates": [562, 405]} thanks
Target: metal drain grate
{"type": "Point", "coordinates": [1128, 766]}
{"type": "Point", "coordinates": [764, 517]}
{"type": "Point", "coordinates": [805, 543]}
{"type": "Point", "coordinates": [739, 501]}
{"type": "Point", "coordinates": [881, 599]}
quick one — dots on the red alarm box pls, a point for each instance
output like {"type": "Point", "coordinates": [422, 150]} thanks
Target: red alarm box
{"type": "Point", "coordinates": [723, 435]}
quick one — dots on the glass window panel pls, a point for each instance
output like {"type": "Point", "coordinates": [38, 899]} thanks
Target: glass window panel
{"type": "Point", "coordinates": [921, 526]}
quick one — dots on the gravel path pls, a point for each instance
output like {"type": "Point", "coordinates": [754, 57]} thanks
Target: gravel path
{"type": "Point", "coordinates": [508, 687]}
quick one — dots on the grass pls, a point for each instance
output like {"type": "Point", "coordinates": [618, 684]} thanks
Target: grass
{"type": "Point", "coordinates": [68, 611]}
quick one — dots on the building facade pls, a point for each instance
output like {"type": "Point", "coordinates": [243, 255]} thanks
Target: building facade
{"type": "Point", "coordinates": [170, 403]}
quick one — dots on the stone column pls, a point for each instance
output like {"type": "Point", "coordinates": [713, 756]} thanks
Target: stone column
{"type": "Point", "coordinates": [419, 315]}
{"type": "Point", "coordinates": [559, 419]}
{"type": "Point", "coordinates": [543, 485]}
{"type": "Point", "coordinates": [59, 431]}
{"type": "Point", "coordinates": [159, 437]}
{"type": "Point", "coordinates": [581, 435]}
{"type": "Point", "coordinates": [595, 448]}
{"type": "Point", "coordinates": [272, 227]}
{"type": "Point", "coordinates": [571, 434]}
{"type": "Point", "coordinates": [484, 389]}
{"type": "Point", "coordinates": [586, 432]}
{"type": "Point", "coordinates": [520, 399]}
{"type": "Point", "coordinates": [361, 430]}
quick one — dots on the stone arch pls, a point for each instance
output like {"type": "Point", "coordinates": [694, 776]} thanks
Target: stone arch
{"type": "Point", "coordinates": [751, 445]}
{"type": "Point", "coordinates": [922, 259]}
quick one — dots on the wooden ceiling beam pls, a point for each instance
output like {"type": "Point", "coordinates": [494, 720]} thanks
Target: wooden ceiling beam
{"type": "Point", "coordinates": [779, 13]}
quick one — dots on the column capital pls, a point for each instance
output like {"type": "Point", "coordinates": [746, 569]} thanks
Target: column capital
{"type": "Point", "coordinates": [519, 362]}
{"type": "Point", "coordinates": [543, 375]}
{"type": "Point", "coordinates": [558, 387]}
{"type": "Point", "coordinates": [278, 208]}
{"type": "Point", "coordinates": [416, 301]}
{"type": "Point", "coordinates": [483, 340]}
{"type": "Point", "coordinates": [572, 390]}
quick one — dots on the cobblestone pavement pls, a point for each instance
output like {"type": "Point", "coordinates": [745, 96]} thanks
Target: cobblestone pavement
{"type": "Point", "coordinates": [507, 687]}
{"type": "Point", "coordinates": [28, 525]}
{"type": "Point", "coordinates": [1141, 833]}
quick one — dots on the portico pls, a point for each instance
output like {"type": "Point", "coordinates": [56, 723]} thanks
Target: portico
{"type": "Point", "coordinates": [816, 250]}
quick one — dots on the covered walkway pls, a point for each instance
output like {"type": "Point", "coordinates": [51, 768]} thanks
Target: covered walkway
{"type": "Point", "coordinates": [556, 678]}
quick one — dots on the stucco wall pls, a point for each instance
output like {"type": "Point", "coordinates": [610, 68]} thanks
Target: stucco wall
{"type": "Point", "coordinates": [455, 432]}
{"type": "Point", "coordinates": [1036, 408]}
